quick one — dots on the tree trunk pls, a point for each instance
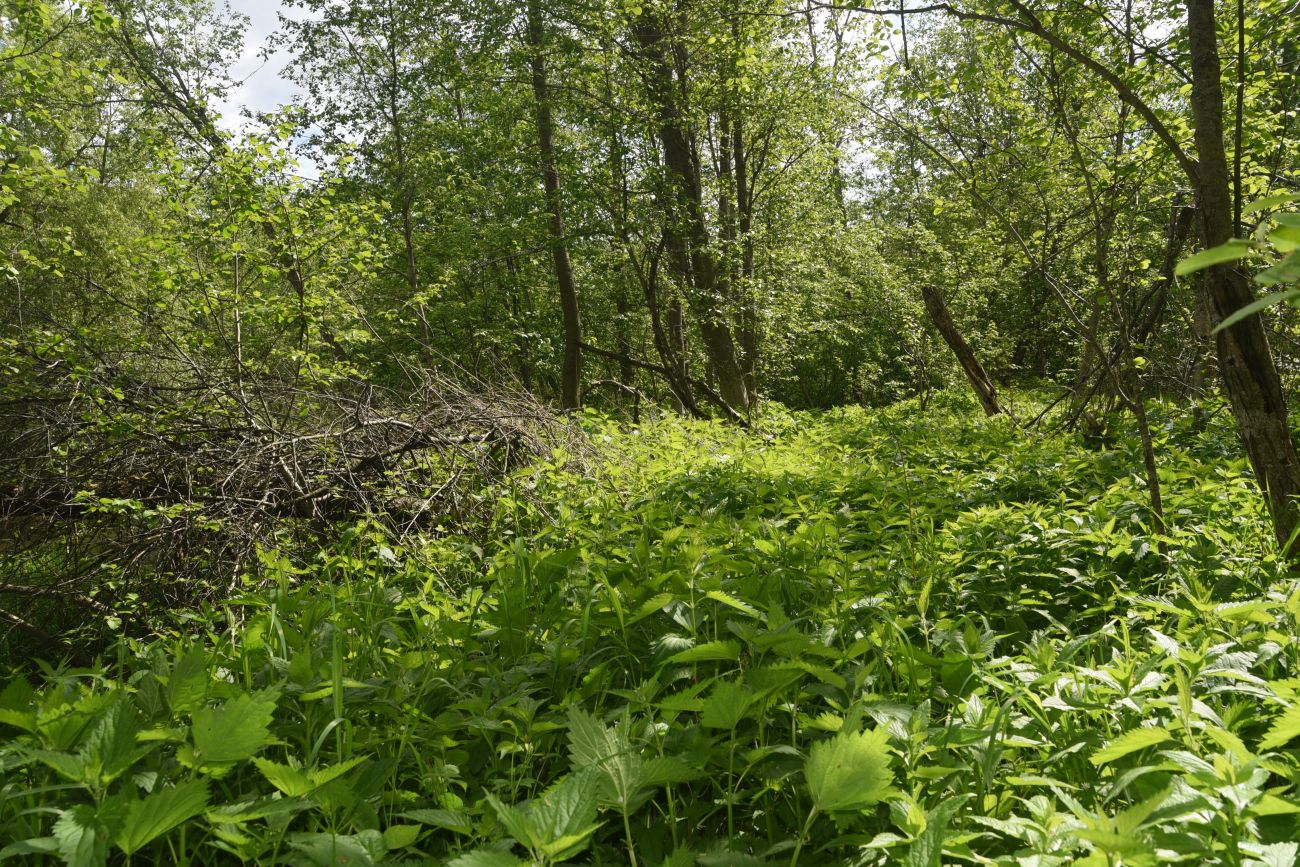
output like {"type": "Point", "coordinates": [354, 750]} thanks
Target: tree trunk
{"type": "Point", "coordinates": [937, 308]}
{"type": "Point", "coordinates": [747, 323]}
{"type": "Point", "coordinates": [1250, 378]}
{"type": "Point", "coordinates": [690, 252]}
{"type": "Point", "coordinates": [571, 367]}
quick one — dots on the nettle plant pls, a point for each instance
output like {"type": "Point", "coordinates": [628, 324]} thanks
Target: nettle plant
{"type": "Point", "coordinates": [844, 644]}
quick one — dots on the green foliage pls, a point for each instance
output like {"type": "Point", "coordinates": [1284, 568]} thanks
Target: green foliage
{"type": "Point", "coordinates": [899, 637]}
{"type": "Point", "coordinates": [849, 772]}
{"type": "Point", "coordinates": [1278, 236]}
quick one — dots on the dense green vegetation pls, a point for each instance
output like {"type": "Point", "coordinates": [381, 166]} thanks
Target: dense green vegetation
{"type": "Point", "coordinates": [649, 432]}
{"type": "Point", "coordinates": [892, 637]}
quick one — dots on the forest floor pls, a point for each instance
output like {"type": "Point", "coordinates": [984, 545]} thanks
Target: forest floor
{"type": "Point", "coordinates": [902, 636]}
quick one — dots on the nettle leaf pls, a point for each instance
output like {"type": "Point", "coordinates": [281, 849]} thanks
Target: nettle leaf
{"type": "Point", "coordinates": [668, 770]}
{"type": "Point", "coordinates": [289, 780]}
{"type": "Point", "coordinates": [653, 605]}
{"type": "Point", "coordinates": [1130, 742]}
{"type": "Point", "coordinates": [234, 731]}
{"type": "Point", "coordinates": [927, 848]}
{"type": "Point", "coordinates": [565, 815]}
{"type": "Point", "coordinates": [401, 836]}
{"type": "Point", "coordinates": [710, 651]}
{"type": "Point", "coordinates": [160, 812]}
{"type": "Point", "coordinates": [248, 811]}
{"type": "Point", "coordinates": [726, 706]}
{"type": "Point", "coordinates": [558, 825]}
{"type": "Point", "coordinates": [850, 771]}
{"type": "Point", "coordinates": [610, 752]}
{"type": "Point", "coordinates": [34, 846]}
{"type": "Point", "coordinates": [515, 821]}
{"type": "Point", "coordinates": [681, 857]}
{"type": "Point", "coordinates": [70, 767]}
{"type": "Point", "coordinates": [82, 837]}
{"type": "Point", "coordinates": [1284, 729]}
{"type": "Point", "coordinates": [110, 748]}
{"type": "Point", "coordinates": [187, 685]}
{"type": "Point", "coordinates": [732, 601]}
{"type": "Point", "coordinates": [296, 782]}
{"type": "Point", "coordinates": [332, 850]}
{"type": "Point", "coordinates": [1121, 835]}
{"type": "Point", "coordinates": [1274, 855]}
{"type": "Point", "coordinates": [16, 705]}
{"type": "Point", "coordinates": [451, 820]}
{"type": "Point", "coordinates": [485, 858]}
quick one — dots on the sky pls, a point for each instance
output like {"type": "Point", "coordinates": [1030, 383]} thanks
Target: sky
{"type": "Point", "coordinates": [262, 87]}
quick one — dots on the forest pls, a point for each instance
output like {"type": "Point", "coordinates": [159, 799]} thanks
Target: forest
{"type": "Point", "coordinates": [650, 432]}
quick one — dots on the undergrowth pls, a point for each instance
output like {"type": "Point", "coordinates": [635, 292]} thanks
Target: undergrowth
{"type": "Point", "coordinates": [906, 636]}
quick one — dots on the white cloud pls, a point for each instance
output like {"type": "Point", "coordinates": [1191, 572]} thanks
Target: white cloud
{"type": "Point", "coordinates": [260, 85]}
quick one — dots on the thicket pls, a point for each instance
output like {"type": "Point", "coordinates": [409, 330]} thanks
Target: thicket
{"type": "Point", "coordinates": [902, 636]}
{"type": "Point", "coordinates": [538, 440]}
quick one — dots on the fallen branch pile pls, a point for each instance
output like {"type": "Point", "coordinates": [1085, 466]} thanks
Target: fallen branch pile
{"type": "Point", "coordinates": [115, 493]}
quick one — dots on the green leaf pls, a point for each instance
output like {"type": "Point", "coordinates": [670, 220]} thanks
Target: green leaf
{"type": "Point", "coordinates": [335, 850]}
{"type": "Point", "coordinates": [485, 858]}
{"type": "Point", "coordinates": [187, 685]}
{"type": "Point", "coordinates": [1284, 729]}
{"type": "Point", "coordinates": [681, 857]}
{"type": "Point", "coordinates": [728, 599]}
{"type": "Point", "coordinates": [1275, 855]}
{"type": "Point", "coordinates": [235, 731]}
{"type": "Point", "coordinates": [292, 781]}
{"type": "Point", "coordinates": [1229, 251]}
{"type": "Point", "coordinates": [609, 751]}
{"type": "Point", "coordinates": [16, 705]}
{"type": "Point", "coordinates": [70, 767]}
{"type": "Point", "coordinates": [1285, 238]}
{"type": "Point", "coordinates": [708, 652]}
{"type": "Point", "coordinates": [110, 748]}
{"type": "Point", "coordinates": [1130, 742]}
{"type": "Point", "coordinates": [34, 846]}
{"type": "Point", "coordinates": [726, 706]}
{"type": "Point", "coordinates": [565, 816]}
{"type": "Point", "coordinates": [1285, 271]}
{"type": "Point", "coordinates": [668, 770]}
{"type": "Point", "coordinates": [516, 822]}
{"type": "Point", "coordinates": [158, 813]}
{"type": "Point", "coordinates": [1255, 306]}
{"type": "Point", "coordinates": [82, 838]}
{"type": "Point", "coordinates": [400, 836]}
{"type": "Point", "coordinates": [248, 811]}
{"type": "Point", "coordinates": [653, 605]}
{"type": "Point", "coordinates": [1269, 202]}
{"type": "Point", "coordinates": [328, 774]}
{"type": "Point", "coordinates": [850, 771]}
{"type": "Point", "coordinates": [927, 849]}
{"type": "Point", "coordinates": [452, 820]}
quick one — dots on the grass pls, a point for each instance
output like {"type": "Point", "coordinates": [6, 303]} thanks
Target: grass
{"type": "Point", "coordinates": [904, 636]}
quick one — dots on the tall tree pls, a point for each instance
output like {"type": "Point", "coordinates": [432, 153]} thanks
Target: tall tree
{"type": "Point", "coordinates": [692, 252]}
{"type": "Point", "coordinates": [1249, 375]}
{"type": "Point", "coordinates": [571, 367]}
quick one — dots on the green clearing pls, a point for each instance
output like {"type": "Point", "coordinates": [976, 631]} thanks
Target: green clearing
{"type": "Point", "coordinates": [902, 636]}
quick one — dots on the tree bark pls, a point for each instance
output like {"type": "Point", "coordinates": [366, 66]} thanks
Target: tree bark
{"type": "Point", "coordinates": [937, 308]}
{"type": "Point", "coordinates": [1249, 376]}
{"type": "Point", "coordinates": [571, 366]}
{"type": "Point", "coordinates": [690, 251]}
